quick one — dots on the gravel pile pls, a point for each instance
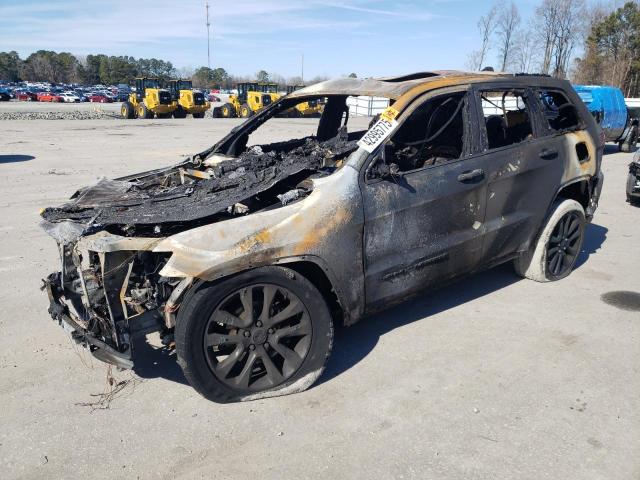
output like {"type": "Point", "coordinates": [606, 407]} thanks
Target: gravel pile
{"type": "Point", "coordinates": [70, 115]}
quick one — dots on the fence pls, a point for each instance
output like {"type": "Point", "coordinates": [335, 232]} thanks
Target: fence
{"type": "Point", "coordinates": [366, 106]}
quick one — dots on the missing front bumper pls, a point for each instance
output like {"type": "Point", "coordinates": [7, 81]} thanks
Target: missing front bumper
{"type": "Point", "coordinates": [60, 312]}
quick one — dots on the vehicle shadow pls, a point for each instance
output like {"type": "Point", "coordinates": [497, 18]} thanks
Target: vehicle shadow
{"type": "Point", "coordinates": [156, 362]}
{"type": "Point", "coordinates": [594, 236]}
{"type": "Point", "coordinates": [354, 343]}
{"type": "Point", "coordinates": [15, 158]}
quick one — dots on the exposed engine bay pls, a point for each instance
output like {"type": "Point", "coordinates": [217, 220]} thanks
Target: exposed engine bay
{"type": "Point", "coordinates": [110, 287]}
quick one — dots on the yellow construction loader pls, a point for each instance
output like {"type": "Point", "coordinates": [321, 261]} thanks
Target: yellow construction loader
{"type": "Point", "coordinates": [186, 100]}
{"type": "Point", "coordinates": [312, 108]}
{"type": "Point", "coordinates": [252, 97]}
{"type": "Point", "coordinates": [148, 100]}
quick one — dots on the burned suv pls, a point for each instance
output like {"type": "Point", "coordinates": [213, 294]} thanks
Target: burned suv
{"type": "Point", "coordinates": [245, 255]}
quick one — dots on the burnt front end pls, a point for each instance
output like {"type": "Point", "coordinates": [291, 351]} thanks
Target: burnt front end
{"type": "Point", "coordinates": [104, 297]}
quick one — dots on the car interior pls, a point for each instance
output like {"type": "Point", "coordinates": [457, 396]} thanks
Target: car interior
{"type": "Point", "coordinates": [433, 134]}
{"type": "Point", "coordinates": [507, 118]}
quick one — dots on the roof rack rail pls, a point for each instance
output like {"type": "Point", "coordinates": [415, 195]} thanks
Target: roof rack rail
{"type": "Point", "coordinates": [410, 76]}
{"type": "Point", "coordinates": [522, 74]}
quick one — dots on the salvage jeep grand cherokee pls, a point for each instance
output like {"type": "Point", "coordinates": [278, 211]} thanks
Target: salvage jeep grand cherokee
{"type": "Point", "coordinates": [245, 255]}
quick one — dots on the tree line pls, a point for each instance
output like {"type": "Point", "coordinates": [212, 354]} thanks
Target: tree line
{"type": "Point", "coordinates": [606, 39]}
{"type": "Point", "coordinates": [64, 67]}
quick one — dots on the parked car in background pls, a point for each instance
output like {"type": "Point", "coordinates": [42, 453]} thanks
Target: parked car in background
{"type": "Point", "coordinates": [5, 95]}
{"type": "Point", "coordinates": [99, 98]}
{"type": "Point", "coordinates": [608, 107]}
{"type": "Point", "coordinates": [49, 97]}
{"type": "Point", "coordinates": [27, 96]}
{"type": "Point", "coordinates": [70, 97]}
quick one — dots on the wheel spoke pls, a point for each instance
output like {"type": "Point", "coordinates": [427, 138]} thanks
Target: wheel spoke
{"type": "Point", "coordinates": [221, 339]}
{"type": "Point", "coordinates": [273, 374]}
{"type": "Point", "coordinates": [574, 236]}
{"type": "Point", "coordinates": [552, 251]}
{"type": "Point", "coordinates": [299, 330]}
{"type": "Point", "coordinates": [555, 262]}
{"type": "Point", "coordinates": [246, 297]}
{"type": "Point", "coordinates": [224, 317]}
{"type": "Point", "coordinates": [268, 292]}
{"type": "Point", "coordinates": [243, 378]}
{"type": "Point", "coordinates": [294, 308]}
{"type": "Point", "coordinates": [224, 367]}
{"type": "Point", "coordinates": [573, 226]}
{"type": "Point", "coordinates": [291, 359]}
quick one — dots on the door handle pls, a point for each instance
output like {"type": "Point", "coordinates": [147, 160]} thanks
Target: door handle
{"type": "Point", "coordinates": [548, 154]}
{"type": "Point", "coordinates": [471, 175]}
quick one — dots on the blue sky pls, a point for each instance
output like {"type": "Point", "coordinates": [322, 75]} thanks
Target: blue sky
{"type": "Point", "coordinates": [371, 38]}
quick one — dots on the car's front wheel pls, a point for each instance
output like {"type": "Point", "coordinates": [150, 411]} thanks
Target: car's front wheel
{"type": "Point", "coordinates": [261, 333]}
{"type": "Point", "coordinates": [555, 253]}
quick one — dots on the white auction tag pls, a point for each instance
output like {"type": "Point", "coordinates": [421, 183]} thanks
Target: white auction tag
{"type": "Point", "coordinates": [377, 134]}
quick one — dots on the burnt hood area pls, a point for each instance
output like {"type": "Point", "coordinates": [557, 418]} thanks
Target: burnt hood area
{"type": "Point", "coordinates": [201, 191]}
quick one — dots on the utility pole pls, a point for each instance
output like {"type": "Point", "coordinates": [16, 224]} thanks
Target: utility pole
{"type": "Point", "coordinates": [208, 41]}
{"type": "Point", "coordinates": [302, 67]}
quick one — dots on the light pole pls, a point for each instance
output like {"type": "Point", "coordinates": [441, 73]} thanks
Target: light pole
{"type": "Point", "coordinates": [208, 41]}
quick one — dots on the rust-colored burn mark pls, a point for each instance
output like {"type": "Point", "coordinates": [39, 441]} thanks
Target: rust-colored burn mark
{"type": "Point", "coordinates": [314, 236]}
{"type": "Point", "coordinates": [262, 237]}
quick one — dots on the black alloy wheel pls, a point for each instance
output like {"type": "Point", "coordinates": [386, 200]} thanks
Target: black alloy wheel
{"type": "Point", "coordinates": [257, 337]}
{"type": "Point", "coordinates": [564, 245]}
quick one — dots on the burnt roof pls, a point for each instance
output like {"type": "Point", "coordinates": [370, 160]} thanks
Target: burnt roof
{"type": "Point", "coordinates": [395, 87]}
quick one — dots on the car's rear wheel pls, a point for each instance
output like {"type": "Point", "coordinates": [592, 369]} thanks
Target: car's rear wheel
{"type": "Point", "coordinates": [198, 115]}
{"type": "Point", "coordinates": [261, 333]}
{"type": "Point", "coordinates": [555, 253]}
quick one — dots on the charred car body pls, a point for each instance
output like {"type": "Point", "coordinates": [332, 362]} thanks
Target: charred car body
{"type": "Point", "coordinates": [246, 255]}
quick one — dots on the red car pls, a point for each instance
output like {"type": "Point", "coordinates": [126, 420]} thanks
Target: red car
{"type": "Point", "coordinates": [96, 97]}
{"type": "Point", "coordinates": [27, 96]}
{"type": "Point", "coordinates": [49, 97]}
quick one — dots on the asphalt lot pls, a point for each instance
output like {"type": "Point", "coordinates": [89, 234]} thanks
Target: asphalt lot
{"type": "Point", "coordinates": [491, 378]}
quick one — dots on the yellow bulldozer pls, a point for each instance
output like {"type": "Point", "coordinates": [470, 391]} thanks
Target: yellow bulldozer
{"type": "Point", "coordinates": [148, 101]}
{"type": "Point", "coordinates": [252, 97]}
{"type": "Point", "coordinates": [187, 101]}
{"type": "Point", "coordinates": [312, 108]}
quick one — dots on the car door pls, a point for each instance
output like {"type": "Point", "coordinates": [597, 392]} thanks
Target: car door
{"type": "Point", "coordinates": [422, 225]}
{"type": "Point", "coordinates": [523, 169]}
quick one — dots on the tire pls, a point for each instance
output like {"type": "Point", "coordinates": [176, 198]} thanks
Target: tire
{"type": "Point", "coordinates": [126, 110]}
{"type": "Point", "coordinates": [198, 320]}
{"type": "Point", "coordinates": [537, 263]}
{"type": "Point", "coordinates": [245, 111]}
{"type": "Point", "coordinates": [631, 181]}
{"type": "Point", "coordinates": [227, 111]}
{"type": "Point", "coordinates": [629, 143]}
{"type": "Point", "coordinates": [179, 113]}
{"type": "Point", "coordinates": [143, 111]}
{"type": "Point", "coordinates": [198, 115]}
